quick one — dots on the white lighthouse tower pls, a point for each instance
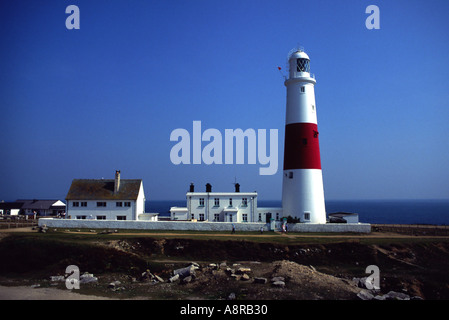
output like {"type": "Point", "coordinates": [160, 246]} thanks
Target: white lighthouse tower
{"type": "Point", "coordinates": [302, 188]}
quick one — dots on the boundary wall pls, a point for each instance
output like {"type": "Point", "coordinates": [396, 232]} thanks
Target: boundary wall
{"type": "Point", "coordinates": [203, 226]}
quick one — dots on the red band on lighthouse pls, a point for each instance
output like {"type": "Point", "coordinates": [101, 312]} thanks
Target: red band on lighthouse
{"type": "Point", "coordinates": [301, 148]}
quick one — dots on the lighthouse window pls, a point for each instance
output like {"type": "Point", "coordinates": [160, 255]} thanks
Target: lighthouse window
{"type": "Point", "coordinates": [290, 175]}
{"type": "Point", "coordinates": [302, 65]}
{"type": "Point", "coordinates": [304, 141]}
{"type": "Point", "coordinates": [306, 215]}
{"type": "Point", "coordinates": [303, 89]}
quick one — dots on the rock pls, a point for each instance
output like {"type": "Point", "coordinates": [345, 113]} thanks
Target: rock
{"type": "Point", "coordinates": [57, 278]}
{"type": "Point", "coordinates": [236, 276]}
{"type": "Point", "coordinates": [231, 296]}
{"type": "Point", "coordinates": [187, 279]}
{"type": "Point", "coordinates": [158, 278]}
{"type": "Point", "coordinates": [187, 271]}
{"type": "Point", "coordinates": [260, 280]}
{"type": "Point", "coordinates": [313, 268]}
{"type": "Point", "coordinates": [242, 270]}
{"type": "Point", "coordinates": [88, 278]}
{"type": "Point", "coordinates": [245, 277]}
{"type": "Point", "coordinates": [114, 284]}
{"type": "Point", "coordinates": [365, 295]}
{"type": "Point", "coordinates": [35, 285]}
{"type": "Point", "coordinates": [280, 284]}
{"type": "Point", "coordinates": [174, 278]}
{"type": "Point", "coordinates": [276, 279]}
{"type": "Point", "coordinates": [147, 276]}
{"type": "Point", "coordinates": [393, 295]}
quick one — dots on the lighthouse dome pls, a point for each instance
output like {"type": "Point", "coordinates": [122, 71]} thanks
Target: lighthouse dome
{"type": "Point", "coordinates": [298, 54]}
{"type": "Point", "coordinates": [299, 64]}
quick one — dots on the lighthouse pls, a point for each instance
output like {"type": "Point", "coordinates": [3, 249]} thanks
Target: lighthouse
{"type": "Point", "coordinates": [302, 187]}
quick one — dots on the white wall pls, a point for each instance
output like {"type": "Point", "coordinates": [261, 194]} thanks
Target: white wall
{"type": "Point", "coordinates": [111, 211]}
{"type": "Point", "coordinates": [140, 203]}
{"type": "Point", "coordinates": [201, 226]}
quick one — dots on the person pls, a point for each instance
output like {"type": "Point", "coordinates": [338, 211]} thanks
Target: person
{"type": "Point", "coordinates": [261, 230]}
{"type": "Point", "coordinates": [233, 228]}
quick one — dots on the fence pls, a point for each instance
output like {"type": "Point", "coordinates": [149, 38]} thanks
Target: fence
{"type": "Point", "coordinates": [8, 222]}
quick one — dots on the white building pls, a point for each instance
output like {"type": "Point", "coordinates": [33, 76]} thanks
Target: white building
{"type": "Point", "coordinates": [223, 207]}
{"type": "Point", "coordinates": [106, 199]}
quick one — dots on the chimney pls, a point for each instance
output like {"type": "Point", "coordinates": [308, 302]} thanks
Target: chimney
{"type": "Point", "coordinates": [117, 181]}
{"type": "Point", "coordinates": [237, 187]}
{"type": "Point", "coordinates": [208, 187]}
{"type": "Point", "coordinates": [192, 187]}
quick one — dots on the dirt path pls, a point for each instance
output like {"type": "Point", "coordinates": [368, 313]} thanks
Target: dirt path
{"type": "Point", "coordinates": [29, 293]}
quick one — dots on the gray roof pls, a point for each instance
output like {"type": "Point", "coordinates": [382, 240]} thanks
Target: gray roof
{"type": "Point", "coordinates": [11, 205]}
{"type": "Point", "coordinates": [103, 189]}
{"type": "Point", "coordinates": [38, 204]}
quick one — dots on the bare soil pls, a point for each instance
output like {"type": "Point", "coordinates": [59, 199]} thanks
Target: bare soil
{"type": "Point", "coordinates": [312, 270]}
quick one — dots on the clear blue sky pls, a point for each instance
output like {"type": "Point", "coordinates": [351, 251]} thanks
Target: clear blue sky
{"type": "Point", "coordinates": [83, 103]}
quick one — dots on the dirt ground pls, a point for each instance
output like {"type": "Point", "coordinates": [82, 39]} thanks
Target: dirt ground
{"type": "Point", "coordinates": [323, 270]}
{"type": "Point", "coordinates": [28, 293]}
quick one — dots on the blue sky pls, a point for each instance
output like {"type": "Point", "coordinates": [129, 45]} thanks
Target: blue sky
{"type": "Point", "coordinates": [83, 103]}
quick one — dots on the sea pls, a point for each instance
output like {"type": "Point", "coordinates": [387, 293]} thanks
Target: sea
{"type": "Point", "coordinates": [434, 212]}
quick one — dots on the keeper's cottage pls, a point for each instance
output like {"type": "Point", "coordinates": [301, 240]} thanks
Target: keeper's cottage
{"type": "Point", "coordinates": [106, 199]}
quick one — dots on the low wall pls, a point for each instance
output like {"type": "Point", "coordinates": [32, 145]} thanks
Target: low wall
{"type": "Point", "coordinates": [200, 226]}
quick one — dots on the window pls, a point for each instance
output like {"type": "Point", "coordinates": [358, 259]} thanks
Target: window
{"type": "Point", "coordinates": [244, 202]}
{"type": "Point", "coordinates": [313, 107]}
{"type": "Point", "coordinates": [201, 202]}
{"type": "Point", "coordinates": [201, 216]}
{"type": "Point", "coordinates": [277, 216]}
{"type": "Point", "coordinates": [216, 217]}
{"type": "Point", "coordinates": [101, 204]}
{"type": "Point", "coordinates": [260, 217]}
{"type": "Point", "coordinates": [290, 175]}
{"type": "Point", "coordinates": [76, 204]}
{"type": "Point", "coordinates": [306, 215]}
{"type": "Point", "coordinates": [84, 204]}
{"type": "Point", "coordinates": [302, 65]}
{"type": "Point", "coordinates": [118, 204]}
{"type": "Point", "coordinates": [121, 217]}
{"type": "Point", "coordinates": [304, 141]}
{"type": "Point", "coordinates": [230, 202]}
{"type": "Point", "coordinates": [303, 89]}
{"type": "Point", "coordinates": [216, 202]}
{"type": "Point", "coordinates": [245, 217]}
{"type": "Point", "coordinates": [193, 216]}
{"type": "Point", "coordinates": [127, 204]}
{"type": "Point", "coordinates": [81, 217]}
{"type": "Point", "coordinates": [101, 217]}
